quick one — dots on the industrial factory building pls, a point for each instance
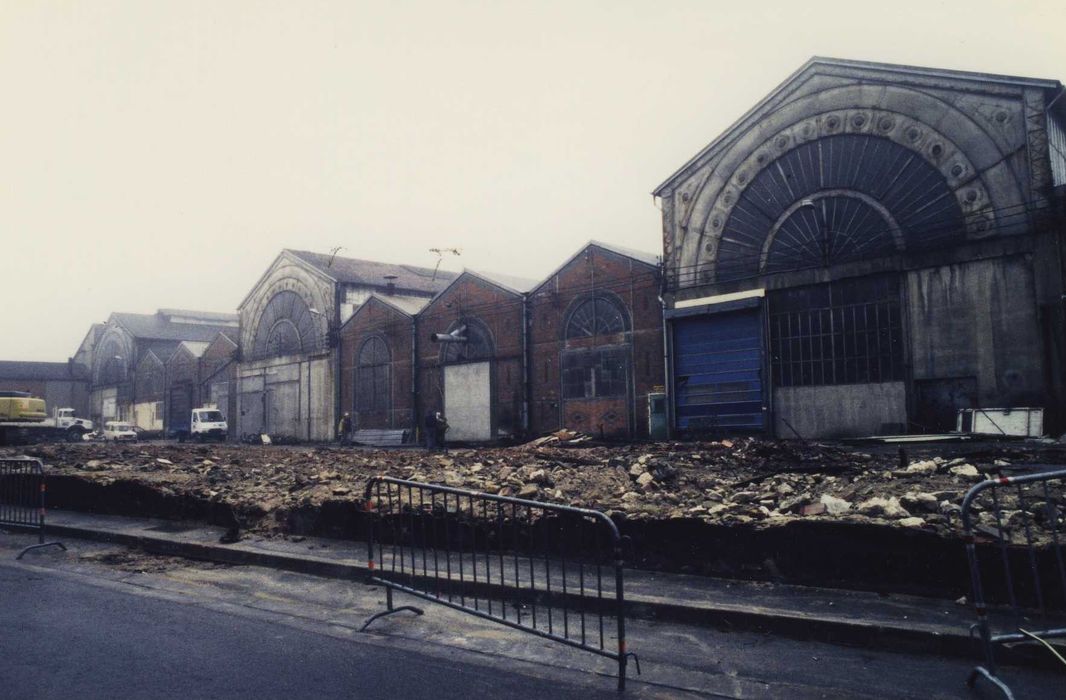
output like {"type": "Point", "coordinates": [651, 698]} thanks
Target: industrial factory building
{"type": "Point", "coordinates": [870, 249]}
{"type": "Point", "coordinates": [471, 367]}
{"type": "Point", "coordinates": [596, 344]}
{"type": "Point", "coordinates": [504, 357]}
{"type": "Point", "coordinates": [128, 358]}
{"type": "Point", "coordinates": [867, 250]}
{"type": "Point", "coordinates": [376, 357]}
{"type": "Point", "coordinates": [289, 328]}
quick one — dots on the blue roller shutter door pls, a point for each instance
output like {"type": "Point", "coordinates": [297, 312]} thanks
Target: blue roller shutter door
{"type": "Point", "coordinates": [718, 372]}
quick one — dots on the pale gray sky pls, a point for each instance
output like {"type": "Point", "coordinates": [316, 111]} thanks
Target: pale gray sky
{"type": "Point", "coordinates": [160, 154]}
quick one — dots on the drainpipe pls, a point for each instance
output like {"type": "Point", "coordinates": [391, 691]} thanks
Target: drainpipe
{"type": "Point", "coordinates": [527, 371]}
{"type": "Point", "coordinates": [668, 388]}
{"type": "Point", "coordinates": [416, 419]}
{"type": "Point", "coordinates": [335, 357]}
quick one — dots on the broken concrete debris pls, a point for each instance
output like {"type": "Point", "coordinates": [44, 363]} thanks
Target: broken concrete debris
{"type": "Point", "coordinates": [761, 482]}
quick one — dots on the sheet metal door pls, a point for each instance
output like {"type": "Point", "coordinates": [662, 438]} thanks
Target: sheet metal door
{"type": "Point", "coordinates": [468, 401]}
{"type": "Point", "coordinates": [718, 372]}
{"type": "Point", "coordinates": [283, 412]}
{"type": "Point", "coordinates": [179, 409]}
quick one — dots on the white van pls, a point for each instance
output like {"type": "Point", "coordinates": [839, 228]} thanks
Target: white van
{"type": "Point", "coordinates": [117, 430]}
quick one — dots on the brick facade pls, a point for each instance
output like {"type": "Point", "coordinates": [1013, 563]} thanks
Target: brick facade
{"type": "Point", "coordinates": [377, 318]}
{"type": "Point", "coordinates": [623, 282]}
{"type": "Point", "coordinates": [474, 300]}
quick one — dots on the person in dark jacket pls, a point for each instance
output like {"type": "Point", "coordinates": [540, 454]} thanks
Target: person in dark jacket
{"type": "Point", "coordinates": [429, 425]}
{"type": "Point", "coordinates": [442, 429]}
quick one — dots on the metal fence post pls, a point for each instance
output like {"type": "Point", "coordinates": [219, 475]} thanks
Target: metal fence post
{"type": "Point", "coordinates": [22, 498]}
{"type": "Point", "coordinates": [482, 550]}
{"type": "Point", "coordinates": [1004, 518]}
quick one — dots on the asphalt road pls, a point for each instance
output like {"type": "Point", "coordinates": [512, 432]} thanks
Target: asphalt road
{"type": "Point", "coordinates": [61, 638]}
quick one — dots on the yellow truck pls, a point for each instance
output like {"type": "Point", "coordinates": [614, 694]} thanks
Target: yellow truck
{"type": "Point", "coordinates": [24, 418]}
{"type": "Point", "coordinates": [19, 406]}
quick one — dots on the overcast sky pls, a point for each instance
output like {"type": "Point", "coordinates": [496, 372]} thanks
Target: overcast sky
{"type": "Point", "coordinates": [161, 154]}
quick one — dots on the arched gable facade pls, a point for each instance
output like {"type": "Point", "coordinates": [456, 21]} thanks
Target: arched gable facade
{"type": "Point", "coordinates": [812, 249]}
{"type": "Point", "coordinates": [285, 377]}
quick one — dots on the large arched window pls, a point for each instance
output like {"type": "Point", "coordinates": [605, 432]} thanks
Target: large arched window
{"type": "Point", "coordinates": [286, 327]}
{"type": "Point", "coordinates": [112, 362]}
{"type": "Point", "coordinates": [595, 317]}
{"type": "Point", "coordinates": [113, 371]}
{"type": "Point", "coordinates": [372, 376]}
{"type": "Point", "coordinates": [478, 345]}
{"type": "Point", "coordinates": [599, 371]}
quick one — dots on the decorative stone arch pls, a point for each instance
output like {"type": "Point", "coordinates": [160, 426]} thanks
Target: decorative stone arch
{"type": "Point", "coordinates": [281, 313]}
{"type": "Point", "coordinates": [969, 157]}
{"type": "Point", "coordinates": [112, 357]}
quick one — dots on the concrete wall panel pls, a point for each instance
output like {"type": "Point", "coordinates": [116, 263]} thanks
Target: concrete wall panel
{"type": "Point", "coordinates": [843, 410]}
{"type": "Point", "coordinates": [979, 319]}
{"type": "Point", "coordinates": [468, 401]}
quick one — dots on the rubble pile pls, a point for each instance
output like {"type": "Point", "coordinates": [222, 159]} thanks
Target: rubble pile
{"type": "Point", "coordinates": [760, 482]}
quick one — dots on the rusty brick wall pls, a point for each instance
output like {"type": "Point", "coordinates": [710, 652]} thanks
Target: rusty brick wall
{"type": "Point", "coordinates": [635, 286]}
{"type": "Point", "coordinates": [499, 311]}
{"type": "Point", "coordinates": [378, 318]}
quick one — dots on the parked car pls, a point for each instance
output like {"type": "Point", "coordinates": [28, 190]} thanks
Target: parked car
{"type": "Point", "coordinates": [119, 430]}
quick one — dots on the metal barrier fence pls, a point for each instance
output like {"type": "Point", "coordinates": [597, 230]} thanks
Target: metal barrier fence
{"type": "Point", "coordinates": [22, 493]}
{"type": "Point", "coordinates": [1014, 542]}
{"type": "Point", "coordinates": [550, 570]}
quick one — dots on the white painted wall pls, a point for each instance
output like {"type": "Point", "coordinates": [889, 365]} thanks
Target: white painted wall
{"type": "Point", "coordinates": [468, 401]}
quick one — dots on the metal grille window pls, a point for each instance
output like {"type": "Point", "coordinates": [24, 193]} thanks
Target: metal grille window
{"type": "Point", "coordinates": [596, 316]}
{"type": "Point", "coordinates": [372, 376]}
{"type": "Point", "coordinates": [594, 373]}
{"type": "Point", "coordinates": [846, 332]}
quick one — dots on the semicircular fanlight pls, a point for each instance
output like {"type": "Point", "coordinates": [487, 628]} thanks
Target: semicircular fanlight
{"type": "Point", "coordinates": [836, 199]}
{"type": "Point", "coordinates": [594, 317]}
{"type": "Point", "coordinates": [286, 327]}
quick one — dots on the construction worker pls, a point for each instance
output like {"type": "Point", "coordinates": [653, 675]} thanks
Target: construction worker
{"type": "Point", "coordinates": [344, 428]}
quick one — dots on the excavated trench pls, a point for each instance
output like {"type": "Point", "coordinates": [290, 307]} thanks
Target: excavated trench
{"type": "Point", "coordinates": [851, 555]}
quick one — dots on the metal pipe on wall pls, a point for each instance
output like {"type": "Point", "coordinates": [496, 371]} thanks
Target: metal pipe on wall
{"type": "Point", "coordinates": [416, 411]}
{"type": "Point", "coordinates": [527, 369]}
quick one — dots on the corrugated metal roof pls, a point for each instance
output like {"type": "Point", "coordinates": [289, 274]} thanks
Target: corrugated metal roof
{"type": "Point", "coordinates": [40, 371]}
{"type": "Point", "coordinates": [641, 255]}
{"type": "Point", "coordinates": [162, 349]}
{"type": "Point", "coordinates": [219, 317]}
{"type": "Point", "coordinates": [368, 272]}
{"type": "Point", "coordinates": [195, 348]}
{"type": "Point", "coordinates": [157, 327]}
{"type": "Point", "coordinates": [518, 285]}
{"type": "Point", "coordinates": [408, 305]}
